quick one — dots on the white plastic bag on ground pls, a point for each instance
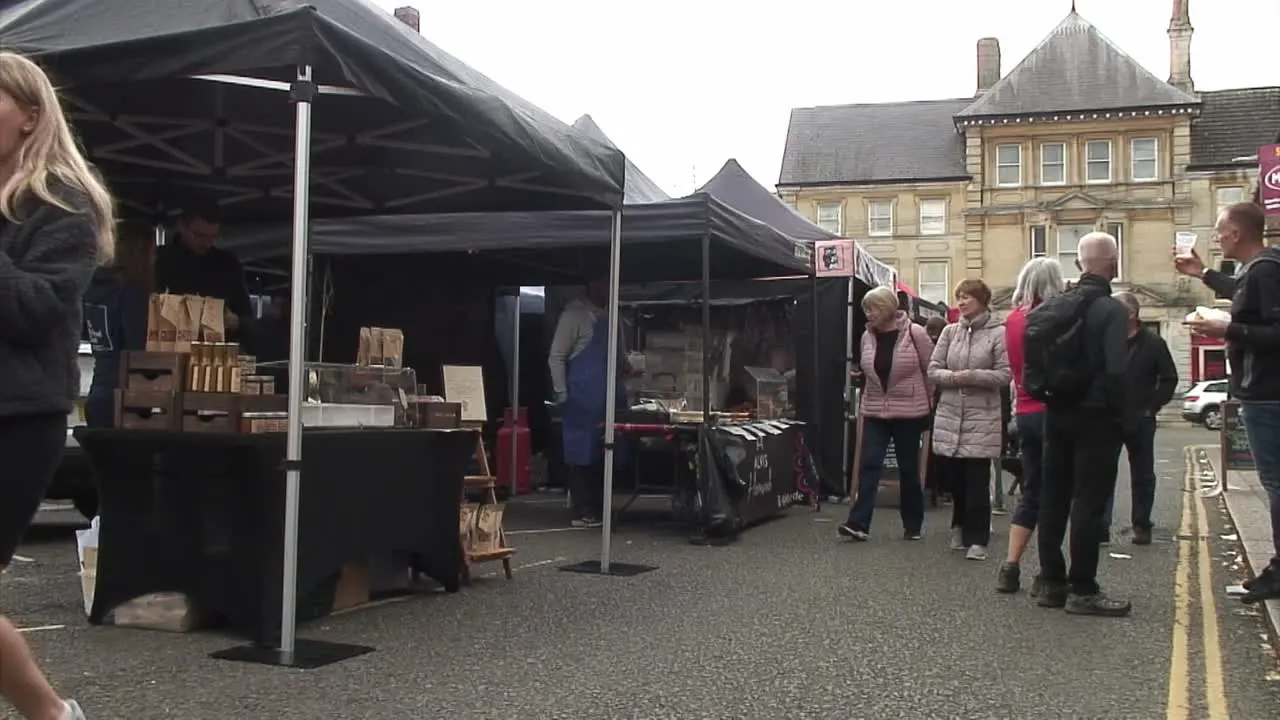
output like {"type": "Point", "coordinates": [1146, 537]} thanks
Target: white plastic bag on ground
{"type": "Point", "coordinates": [87, 548]}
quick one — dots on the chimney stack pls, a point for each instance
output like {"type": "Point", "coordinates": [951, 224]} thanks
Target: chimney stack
{"type": "Point", "coordinates": [409, 16]}
{"type": "Point", "coordinates": [988, 64]}
{"type": "Point", "coordinates": [1180, 31]}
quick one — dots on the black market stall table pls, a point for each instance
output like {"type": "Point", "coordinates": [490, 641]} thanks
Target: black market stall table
{"type": "Point", "coordinates": [753, 469]}
{"type": "Point", "coordinates": [203, 514]}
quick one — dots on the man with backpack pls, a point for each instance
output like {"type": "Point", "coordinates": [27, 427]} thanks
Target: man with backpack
{"type": "Point", "coordinates": [1253, 353]}
{"type": "Point", "coordinates": [1075, 362]}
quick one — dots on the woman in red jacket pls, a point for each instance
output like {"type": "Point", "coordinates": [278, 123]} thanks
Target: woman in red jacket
{"type": "Point", "coordinates": [896, 398]}
{"type": "Point", "coordinates": [1038, 281]}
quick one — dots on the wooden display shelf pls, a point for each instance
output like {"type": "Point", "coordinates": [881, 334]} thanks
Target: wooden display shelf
{"type": "Point", "coordinates": [486, 483]}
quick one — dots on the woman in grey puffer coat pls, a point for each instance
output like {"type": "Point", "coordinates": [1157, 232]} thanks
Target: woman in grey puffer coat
{"type": "Point", "coordinates": [970, 364]}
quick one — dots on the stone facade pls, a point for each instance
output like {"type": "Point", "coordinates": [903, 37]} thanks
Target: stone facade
{"type": "Point", "coordinates": [1028, 180]}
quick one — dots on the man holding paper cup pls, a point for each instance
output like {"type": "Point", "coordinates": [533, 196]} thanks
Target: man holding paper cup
{"type": "Point", "coordinates": [1252, 332]}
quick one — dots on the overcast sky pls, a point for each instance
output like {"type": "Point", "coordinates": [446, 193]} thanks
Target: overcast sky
{"type": "Point", "coordinates": [683, 85]}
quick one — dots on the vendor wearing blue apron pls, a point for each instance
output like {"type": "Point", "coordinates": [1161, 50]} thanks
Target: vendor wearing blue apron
{"type": "Point", "coordinates": [578, 361]}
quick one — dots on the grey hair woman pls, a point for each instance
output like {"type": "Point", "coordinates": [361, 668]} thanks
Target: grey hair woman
{"type": "Point", "coordinates": [1039, 280]}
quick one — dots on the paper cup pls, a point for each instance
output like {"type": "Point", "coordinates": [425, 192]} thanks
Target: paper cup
{"type": "Point", "coordinates": [1184, 243]}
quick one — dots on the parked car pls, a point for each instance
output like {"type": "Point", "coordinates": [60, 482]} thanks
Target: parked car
{"type": "Point", "coordinates": [74, 479]}
{"type": "Point", "coordinates": [1203, 403]}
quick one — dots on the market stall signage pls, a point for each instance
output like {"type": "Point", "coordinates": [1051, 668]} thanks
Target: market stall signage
{"type": "Point", "coordinates": [833, 258]}
{"type": "Point", "coordinates": [1236, 452]}
{"type": "Point", "coordinates": [1269, 178]}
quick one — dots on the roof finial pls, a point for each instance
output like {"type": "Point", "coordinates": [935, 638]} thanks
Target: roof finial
{"type": "Point", "coordinates": [1073, 7]}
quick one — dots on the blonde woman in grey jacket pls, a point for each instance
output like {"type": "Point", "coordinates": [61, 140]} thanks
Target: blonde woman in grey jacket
{"type": "Point", "coordinates": [971, 365]}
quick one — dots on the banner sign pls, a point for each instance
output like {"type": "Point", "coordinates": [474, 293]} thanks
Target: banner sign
{"type": "Point", "coordinates": [833, 258]}
{"type": "Point", "coordinates": [1269, 178]}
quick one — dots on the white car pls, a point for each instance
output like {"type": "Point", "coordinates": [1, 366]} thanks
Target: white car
{"type": "Point", "coordinates": [1203, 403]}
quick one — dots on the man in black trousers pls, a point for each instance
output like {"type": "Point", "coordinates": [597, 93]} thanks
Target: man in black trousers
{"type": "Point", "coordinates": [1082, 442]}
{"type": "Point", "coordinates": [1152, 381]}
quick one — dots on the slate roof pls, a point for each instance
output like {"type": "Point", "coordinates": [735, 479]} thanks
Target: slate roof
{"type": "Point", "coordinates": [1232, 124]}
{"type": "Point", "coordinates": [882, 142]}
{"type": "Point", "coordinates": [637, 187]}
{"type": "Point", "coordinates": [1076, 68]}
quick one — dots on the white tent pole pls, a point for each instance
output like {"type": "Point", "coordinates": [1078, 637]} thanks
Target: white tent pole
{"type": "Point", "coordinates": [611, 389]}
{"type": "Point", "coordinates": [297, 356]}
{"type": "Point", "coordinates": [515, 394]}
{"type": "Point", "coordinates": [850, 343]}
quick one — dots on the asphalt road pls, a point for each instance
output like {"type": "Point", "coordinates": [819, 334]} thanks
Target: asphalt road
{"type": "Point", "coordinates": [788, 623]}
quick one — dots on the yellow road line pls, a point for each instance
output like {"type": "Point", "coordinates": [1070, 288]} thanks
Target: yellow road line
{"type": "Point", "coordinates": [1177, 706]}
{"type": "Point", "coordinates": [1214, 682]}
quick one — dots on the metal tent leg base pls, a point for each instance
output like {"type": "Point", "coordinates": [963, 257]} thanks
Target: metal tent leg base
{"type": "Point", "coordinates": [592, 567]}
{"type": "Point", "coordinates": [306, 655]}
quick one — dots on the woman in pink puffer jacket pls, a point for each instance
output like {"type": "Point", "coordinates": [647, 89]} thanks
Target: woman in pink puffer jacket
{"type": "Point", "coordinates": [896, 398]}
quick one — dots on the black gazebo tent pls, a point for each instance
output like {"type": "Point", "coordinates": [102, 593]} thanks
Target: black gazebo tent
{"type": "Point", "coordinates": [171, 98]}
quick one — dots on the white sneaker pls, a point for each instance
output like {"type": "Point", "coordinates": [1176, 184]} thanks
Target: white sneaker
{"type": "Point", "coordinates": [976, 552]}
{"type": "Point", "coordinates": [73, 711]}
{"type": "Point", "coordinates": [957, 539]}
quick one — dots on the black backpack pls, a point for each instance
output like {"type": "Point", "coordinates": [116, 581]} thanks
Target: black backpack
{"type": "Point", "coordinates": [1055, 369]}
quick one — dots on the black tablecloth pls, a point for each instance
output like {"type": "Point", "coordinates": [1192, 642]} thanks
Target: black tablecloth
{"type": "Point", "coordinates": [203, 514]}
{"type": "Point", "coordinates": [751, 478]}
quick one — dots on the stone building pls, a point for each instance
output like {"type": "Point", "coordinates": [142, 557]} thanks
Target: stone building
{"type": "Point", "coordinates": [1077, 136]}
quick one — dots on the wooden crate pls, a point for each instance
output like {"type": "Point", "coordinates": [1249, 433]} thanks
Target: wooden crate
{"type": "Point", "coordinates": [153, 371]}
{"type": "Point", "coordinates": [148, 410]}
{"type": "Point", "coordinates": [224, 412]}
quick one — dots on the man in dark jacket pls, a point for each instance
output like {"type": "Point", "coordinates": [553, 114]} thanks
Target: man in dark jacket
{"type": "Point", "coordinates": [1253, 353]}
{"type": "Point", "coordinates": [194, 265]}
{"type": "Point", "coordinates": [1082, 445]}
{"type": "Point", "coordinates": [1152, 381]}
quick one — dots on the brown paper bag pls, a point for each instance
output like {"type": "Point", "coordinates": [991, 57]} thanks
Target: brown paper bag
{"type": "Point", "coordinates": [189, 326]}
{"type": "Point", "coordinates": [213, 321]}
{"type": "Point", "coordinates": [171, 312]}
{"type": "Point", "coordinates": [375, 345]}
{"type": "Point", "coordinates": [363, 350]}
{"type": "Point", "coordinates": [467, 525]}
{"type": "Point", "coordinates": [154, 321]}
{"type": "Point", "coordinates": [489, 528]}
{"type": "Point", "coordinates": [393, 348]}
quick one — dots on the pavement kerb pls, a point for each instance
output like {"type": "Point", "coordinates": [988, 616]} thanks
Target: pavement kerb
{"type": "Point", "coordinates": [1248, 507]}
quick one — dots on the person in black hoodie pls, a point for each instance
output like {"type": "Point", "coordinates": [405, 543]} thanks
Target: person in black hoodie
{"type": "Point", "coordinates": [115, 318]}
{"type": "Point", "coordinates": [1152, 381]}
{"type": "Point", "coordinates": [1253, 353]}
{"type": "Point", "coordinates": [57, 224]}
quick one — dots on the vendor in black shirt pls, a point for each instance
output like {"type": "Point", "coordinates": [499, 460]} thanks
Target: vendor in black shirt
{"type": "Point", "coordinates": [192, 265]}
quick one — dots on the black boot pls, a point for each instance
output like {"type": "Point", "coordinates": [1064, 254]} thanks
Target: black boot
{"type": "Point", "coordinates": [1008, 578]}
{"type": "Point", "coordinates": [1097, 604]}
{"type": "Point", "coordinates": [1264, 587]}
{"type": "Point", "coordinates": [1052, 595]}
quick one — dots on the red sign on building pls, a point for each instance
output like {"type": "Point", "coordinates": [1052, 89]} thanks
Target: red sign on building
{"type": "Point", "coordinates": [1269, 178]}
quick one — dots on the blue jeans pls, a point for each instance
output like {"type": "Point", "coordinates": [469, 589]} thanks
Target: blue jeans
{"type": "Point", "coordinates": [1031, 442]}
{"type": "Point", "coordinates": [1141, 447]}
{"type": "Point", "coordinates": [1262, 425]}
{"type": "Point", "coordinates": [876, 434]}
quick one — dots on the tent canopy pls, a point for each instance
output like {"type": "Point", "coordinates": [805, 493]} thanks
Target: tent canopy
{"type": "Point", "coordinates": [638, 188]}
{"type": "Point", "coordinates": [737, 189]}
{"type": "Point", "coordinates": [661, 241]}
{"type": "Point", "coordinates": [400, 126]}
